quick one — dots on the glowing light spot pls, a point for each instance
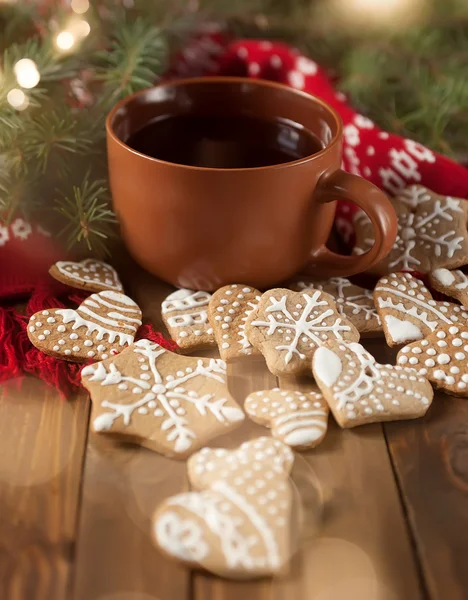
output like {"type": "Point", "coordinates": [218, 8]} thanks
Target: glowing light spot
{"type": "Point", "coordinates": [26, 73]}
{"type": "Point", "coordinates": [79, 6]}
{"type": "Point", "coordinates": [17, 99]}
{"type": "Point", "coordinates": [65, 40]}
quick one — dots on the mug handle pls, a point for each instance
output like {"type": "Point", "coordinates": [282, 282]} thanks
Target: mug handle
{"type": "Point", "coordinates": [340, 185]}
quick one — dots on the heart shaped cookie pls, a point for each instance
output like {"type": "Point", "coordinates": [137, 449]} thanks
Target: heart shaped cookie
{"type": "Point", "coordinates": [451, 283]}
{"type": "Point", "coordinates": [298, 419]}
{"type": "Point", "coordinates": [90, 274]}
{"type": "Point", "coordinates": [239, 524]}
{"type": "Point", "coordinates": [408, 310]}
{"type": "Point", "coordinates": [103, 325]}
{"type": "Point", "coordinates": [359, 390]}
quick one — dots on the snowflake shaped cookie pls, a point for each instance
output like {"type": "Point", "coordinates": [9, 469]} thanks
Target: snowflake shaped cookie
{"type": "Point", "coordinates": [451, 283]}
{"type": "Point", "coordinates": [298, 419]}
{"type": "Point", "coordinates": [287, 327]}
{"type": "Point", "coordinates": [442, 357]}
{"type": "Point", "coordinates": [185, 314]}
{"type": "Point", "coordinates": [353, 302]}
{"type": "Point", "coordinates": [103, 325]}
{"type": "Point", "coordinates": [432, 233]}
{"type": "Point", "coordinates": [90, 274]}
{"type": "Point", "coordinates": [359, 390]}
{"type": "Point", "coordinates": [408, 310]}
{"type": "Point", "coordinates": [239, 523]}
{"type": "Point", "coordinates": [169, 403]}
{"type": "Point", "coordinates": [228, 311]}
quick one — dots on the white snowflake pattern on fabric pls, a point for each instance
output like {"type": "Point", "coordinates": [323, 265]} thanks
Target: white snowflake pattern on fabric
{"type": "Point", "coordinates": [363, 122]}
{"type": "Point", "coordinates": [296, 79]}
{"type": "Point", "coordinates": [306, 66]}
{"type": "Point", "coordinates": [419, 151]}
{"type": "Point", "coordinates": [352, 160]}
{"type": "Point", "coordinates": [431, 232]}
{"type": "Point", "coordinates": [351, 134]}
{"type": "Point", "coordinates": [4, 235]}
{"type": "Point", "coordinates": [21, 229]}
{"type": "Point", "coordinates": [172, 392]}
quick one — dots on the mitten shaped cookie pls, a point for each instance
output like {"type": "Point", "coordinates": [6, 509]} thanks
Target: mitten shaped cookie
{"type": "Point", "coordinates": [298, 419]}
{"type": "Point", "coordinates": [90, 274]}
{"type": "Point", "coordinates": [239, 523]}
{"type": "Point", "coordinates": [442, 358]}
{"type": "Point", "coordinates": [169, 403]}
{"type": "Point", "coordinates": [359, 390]}
{"type": "Point", "coordinates": [287, 327]}
{"type": "Point", "coordinates": [432, 233]}
{"type": "Point", "coordinates": [228, 311]}
{"type": "Point", "coordinates": [408, 310]}
{"type": "Point", "coordinates": [352, 301]}
{"type": "Point", "coordinates": [103, 325]}
{"type": "Point", "coordinates": [185, 314]}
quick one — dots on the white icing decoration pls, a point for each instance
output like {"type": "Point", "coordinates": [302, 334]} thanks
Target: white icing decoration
{"type": "Point", "coordinates": [361, 303]}
{"type": "Point", "coordinates": [444, 276]}
{"type": "Point", "coordinates": [308, 324]}
{"type": "Point", "coordinates": [182, 538]}
{"type": "Point", "coordinates": [187, 300]}
{"type": "Point", "coordinates": [188, 319]}
{"type": "Point", "coordinates": [328, 365]}
{"type": "Point", "coordinates": [109, 277]}
{"type": "Point", "coordinates": [166, 393]}
{"type": "Point", "coordinates": [402, 331]}
{"type": "Point", "coordinates": [184, 299]}
{"type": "Point", "coordinates": [418, 231]}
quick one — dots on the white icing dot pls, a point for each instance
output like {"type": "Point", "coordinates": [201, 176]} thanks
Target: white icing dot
{"type": "Point", "coordinates": [416, 350]}
{"type": "Point", "coordinates": [457, 342]}
{"type": "Point", "coordinates": [32, 329]}
{"type": "Point", "coordinates": [424, 343]}
{"type": "Point", "coordinates": [100, 348]}
{"type": "Point", "coordinates": [56, 348]}
{"type": "Point", "coordinates": [404, 359]}
{"type": "Point", "coordinates": [223, 326]}
{"type": "Point", "coordinates": [441, 344]}
{"type": "Point", "coordinates": [429, 362]}
{"type": "Point", "coordinates": [51, 320]}
{"type": "Point", "coordinates": [76, 348]}
{"type": "Point", "coordinates": [453, 330]}
{"type": "Point", "coordinates": [91, 354]}
{"type": "Point", "coordinates": [41, 337]}
{"type": "Point", "coordinates": [225, 345]}
{"type": "Point", "coordinates": [459, 355]}
{"type": "Point", "coordinates": [61, 328]}
{"type": "Point", "coordinates": [183, 334]}
{"type": "Point", "coordinates": [431, 351]}
{"type": "Point", "coordinates": [67, 352]}
{"type": "Point", "coordinates": [441, 334]}
{"type": "Point", "coordinates": [143, 410]}
{"type": "Point", "coordinates": [73, 336]}
{"type": "Point", "coordinates": [104, 356]}
{"type": "Point", "coordinates": [443, 359]}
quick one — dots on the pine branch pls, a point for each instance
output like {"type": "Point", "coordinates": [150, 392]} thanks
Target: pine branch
{"type": "Point", "coordinates": [134, 59]}
{"type": "Point", "coordinates": [88, 219]}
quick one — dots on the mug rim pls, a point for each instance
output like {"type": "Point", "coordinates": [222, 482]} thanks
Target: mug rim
{"type": "Point", "coordinates": [226, 79]}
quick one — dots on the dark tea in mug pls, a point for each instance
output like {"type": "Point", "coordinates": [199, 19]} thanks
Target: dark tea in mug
{"type": "Point", "coordinates": [224, 142]}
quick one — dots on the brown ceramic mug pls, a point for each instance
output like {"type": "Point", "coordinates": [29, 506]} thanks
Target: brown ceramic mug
{"type": "Point", "coordinates": [202, 228]}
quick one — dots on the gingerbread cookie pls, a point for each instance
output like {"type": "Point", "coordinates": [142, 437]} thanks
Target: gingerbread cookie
{"type": "Point", "coordinates": [240, 522]}
{"type": "Point", "coordinates": [298, 419]}
{"type": "Point", "coordinates": [451, 283]}
{"type": "Point", "coordinates": [432, 233]}
{"type": "Point", "coordinates": [90, 274]}
{"type": "Point", "coordinates": [185, 315]}
{"type": "Point", "coordinates": [169, 403]}
{"type": "Point", "coordinates": [287, 327]}
{"type": "Point", "coordinates": [408, 310]}
{"type": "Point", "coordinates": [442, 357]}
{"type": "Point", "coordinates": [353, 302]}
{"type": "Point", "coordinates": [102, 326]}
{"type": "Point", "coordinates": [359, 390]}
{"type": "Point", "coordinates": [228, 311]}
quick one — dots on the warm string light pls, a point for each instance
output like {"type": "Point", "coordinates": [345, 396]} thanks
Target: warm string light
{"type": "Point", "coordinates": [17, 99]}
{"type": "Point", "coordinates": [26, 73]}
{"type": "Point", "coordinates": [379, 12]}
{"type": "Point", "coordinates": [79, 6]}
{"type": "Point", "coordinates": [76, 30]}
{"type": "Point", "coordinates": [65, 40]}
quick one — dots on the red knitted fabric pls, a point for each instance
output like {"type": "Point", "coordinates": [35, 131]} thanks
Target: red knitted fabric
{"type": "Point", "coordinates": [26, 251]}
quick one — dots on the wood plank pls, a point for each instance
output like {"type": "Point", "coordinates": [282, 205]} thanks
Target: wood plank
{"type": "Point", "coordinates": [122, 486]}
{"type": "Point", "coordinates": [430, 458]}
{"type": "Point", "coordinates": [244, 376]}
{"type": "Point", "coordinates": [42, 442]}
{"type": "Point", "coordinates": [362, 550]}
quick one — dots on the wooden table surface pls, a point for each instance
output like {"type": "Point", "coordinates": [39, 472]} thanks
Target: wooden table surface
{"type": "Point", "coordinates": [385, 508]}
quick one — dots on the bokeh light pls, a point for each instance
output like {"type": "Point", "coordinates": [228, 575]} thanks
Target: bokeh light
{"type": "Point", "coordinates": [26, 73]}
{"type": "Point", "coordinates": [17, 99]}
{"type": "Point", "coordinates": [80, 28]}
{"type": "Point", "coordinates": [79, 6]}
{"type": "Point", "coordinates": [65, 40]}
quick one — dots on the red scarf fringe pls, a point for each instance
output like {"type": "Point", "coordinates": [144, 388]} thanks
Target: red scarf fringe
{"type": "Point", "coordinates": [19, 357]}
